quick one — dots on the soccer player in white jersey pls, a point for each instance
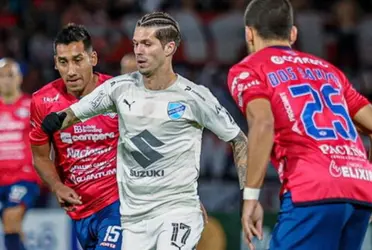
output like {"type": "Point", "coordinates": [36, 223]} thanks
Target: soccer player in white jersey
{"type": "Point", "coordinates": [161, 119]}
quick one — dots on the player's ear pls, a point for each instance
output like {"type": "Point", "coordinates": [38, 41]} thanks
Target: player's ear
{"type": "Point", "coordinates": [170, 48]}
{"type": "Point", "coordinates": [293, 36]}
{"type": "Point", "coordinates": [94, 58]}
{"type": "Point", "coordinates": [55, 62]}
{"type": "Point", "coordinates": [248, 35]}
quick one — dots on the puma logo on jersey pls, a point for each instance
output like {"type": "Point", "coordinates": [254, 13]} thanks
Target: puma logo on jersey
{"type": "Point", "coordinates": [129, 104]}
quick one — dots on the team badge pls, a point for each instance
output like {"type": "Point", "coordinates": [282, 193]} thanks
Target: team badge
{"type": "Point", "coordinates": [22, 113]}
{"type": "Point", "coordinates": [176, 110]}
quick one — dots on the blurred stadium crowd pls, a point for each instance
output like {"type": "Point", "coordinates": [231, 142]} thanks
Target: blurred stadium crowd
{"type": "Point", "coordinates": [213, 39]}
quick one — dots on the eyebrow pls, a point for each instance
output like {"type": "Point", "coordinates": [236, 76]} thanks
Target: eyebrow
{"type": "Point", "coordinates": [74, 57]}
{"type": "Point", "coordinates": [141, 41]}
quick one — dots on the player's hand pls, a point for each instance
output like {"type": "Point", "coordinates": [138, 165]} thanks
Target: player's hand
{"type": "Point", "coordinates": [205, 214]}
{"type": "Point", "coordinates": [252, 219]}
{"type": "Point", "coordinates": [53, 122]}
{"type": "Point", "coordinates": [67, 197]}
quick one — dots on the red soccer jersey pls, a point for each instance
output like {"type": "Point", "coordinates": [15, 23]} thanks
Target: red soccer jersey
{"type": "Point", "coordinates": [317, 150]}
{"type": "Point", "coordinates": [15, 151]}
{"type": "Point", "coordinates": [85, 153]}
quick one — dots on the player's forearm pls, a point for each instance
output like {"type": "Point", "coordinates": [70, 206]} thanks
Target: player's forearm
{"type": "Point", "coordinates": [70, 119]}
{"type": "Point", "coordinates": [363, 119]}
{"type": "Point", "coordinates": [260, 137]}
{"type": "Point", "coordinates": [47, 172]}
{"type": "Point", "coordinates": [239, 145]}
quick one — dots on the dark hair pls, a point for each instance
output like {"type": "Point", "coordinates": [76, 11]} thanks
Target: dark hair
{"type": "Point", "coordinates": [169, 29]}
{"type": "Point", "coordinates": [272, 19]}
{"type": "Point", "coordinates": [73, 33]}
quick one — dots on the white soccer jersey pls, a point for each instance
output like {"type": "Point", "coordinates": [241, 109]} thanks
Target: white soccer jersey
{"type": "Point", "coordinates": [160, 140]}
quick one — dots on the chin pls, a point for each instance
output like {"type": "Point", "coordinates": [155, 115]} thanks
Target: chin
{"type": "Point", "coordinates": [145, 72]}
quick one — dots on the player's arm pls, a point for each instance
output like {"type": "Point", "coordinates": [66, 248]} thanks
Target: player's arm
{"type": "Point", "coordinates": [212, 115]}
{"type": "Point", "coordinates": [41, 151]}
{"type": "Point", "coordinates": [363, 117]}
{"type": "Point", "coordinates": [252, 96]}
{"type": "Point", "coordinates": [239, 146]}
{"type": "Point", "coordinates": [45, 166]}
{"type": "Point", "coordinates": [261, 138]}
{"type": "Point", "coordinates": [359, 107]}
{"type": "Point", "coordinates": [40, 146]}
{"type": "Point", "coordinates": [97, 102]}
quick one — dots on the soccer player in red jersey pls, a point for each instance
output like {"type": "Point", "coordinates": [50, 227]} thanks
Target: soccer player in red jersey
{"type": "Point", "coordinates": [83, 175]}
{"type": "Point", "coordinates": [300, 111]}
{"type": "Point", "coordinates": [19, 187]}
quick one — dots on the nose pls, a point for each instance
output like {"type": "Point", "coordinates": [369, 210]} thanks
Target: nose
{"type": "Point", "coordinates": [71, 71]}
{"type": "Point", "coordinates": [138, 50]}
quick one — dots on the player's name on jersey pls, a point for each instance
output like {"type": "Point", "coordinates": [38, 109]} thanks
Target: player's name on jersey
{"type": "Point", "coordinates": [296, 73]}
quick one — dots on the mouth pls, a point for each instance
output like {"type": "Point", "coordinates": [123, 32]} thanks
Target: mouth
{"type": "Point", "coordinates": [141, 61]}
{"type": "Point", "coordinates": [73, 81]}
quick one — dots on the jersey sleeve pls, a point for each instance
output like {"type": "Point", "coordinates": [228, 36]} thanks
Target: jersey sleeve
{"type": "Point", "coordinates": [97, 102]}
{"type": "Point", "coordinates": [246, 85]}
{"type": "Point", "coordinates": [210, 114]}
{"type": "Point", "coordinates": [37, 135]}
{"type": "Point", "coordinates": [355, 101]}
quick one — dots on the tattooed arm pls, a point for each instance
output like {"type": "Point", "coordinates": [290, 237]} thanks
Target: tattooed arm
{"type": "Point", "coordinates": [239, 145]}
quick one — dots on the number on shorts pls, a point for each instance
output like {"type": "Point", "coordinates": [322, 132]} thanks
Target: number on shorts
{"type": "Point", "coordinates": [17, 193]}
{"type": "Point", "coordinates": [311, 108]}
{"type": "Point", "coordinates": [112, 234]}
{"type": "Point", "coordinates": [175, 240]}
{"type": "Point", "coordinates": [146, 154]}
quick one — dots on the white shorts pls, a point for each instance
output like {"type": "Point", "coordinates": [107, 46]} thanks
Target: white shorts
{"type": "Point", "coordinates": [176, 230]}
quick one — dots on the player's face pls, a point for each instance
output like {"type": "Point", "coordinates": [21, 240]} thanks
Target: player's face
{"type": "Point", "coordinates": [75, 65]}
{"type": "Point", "coordinates": [10, 79]}
{"type": "Point", "coordinates": [149, 52]}
{"type": "Point", "coordinates": [128, 65]}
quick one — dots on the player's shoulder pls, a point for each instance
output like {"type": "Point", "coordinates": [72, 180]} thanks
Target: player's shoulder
{"type": "Point", "coordinates": [125, 79]}
{"type": "Point", "coordinates": [193, 91]}
{"type": "Point", "coordinates": [50, 93]}
{"type": "Point", "coordinates": [102, 77]}
{"type": "Point", "coordinates": [25, 99]}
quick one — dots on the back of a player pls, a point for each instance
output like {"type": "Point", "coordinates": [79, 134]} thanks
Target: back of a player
{"type": "Point", "coordinates": [317, 151]}
{"type": "Point", "coordinates": [307, 111]}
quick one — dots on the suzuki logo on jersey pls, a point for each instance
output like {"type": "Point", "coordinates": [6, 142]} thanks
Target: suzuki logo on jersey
{"type": "Point", "coordinates": [68, 138]}
{"type": "Point", "coordinates": [176, 110]}
{"type": "Point", "coordinates": [352, 172]}
{"type": "Point", "coordinates": [297, 59]}
{"type": "Point", "coordinates": [146, 173]}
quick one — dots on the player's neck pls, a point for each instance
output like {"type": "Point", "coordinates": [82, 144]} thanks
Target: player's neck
{"type": "Point", "coordinates": [162, 79]}
{"type": "Point", "coordinates": [91, 85]}
{"type": "Point", "coordinates": [11, 98]}
{"type": "Point", "coordinates": [264, 44]}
